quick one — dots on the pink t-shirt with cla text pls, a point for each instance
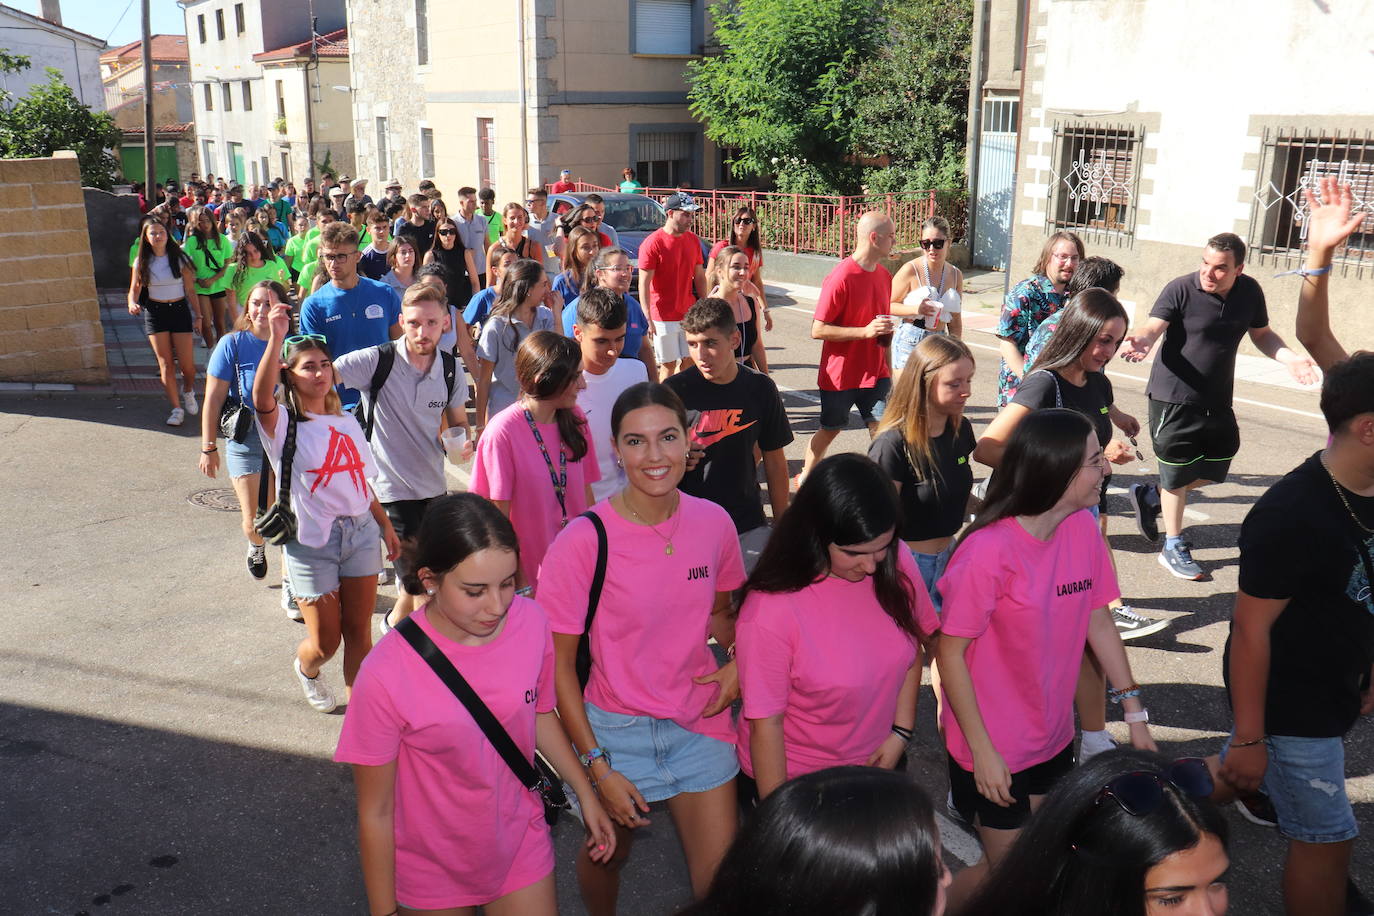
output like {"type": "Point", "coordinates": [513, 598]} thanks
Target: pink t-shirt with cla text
{"type": "Point", "coordinates": [674, 260]}
{"type": "Point", "coordinates": [1025, 604]}
{"type": "Point", "coordinates": [851, 297]}
{"type": "Point", "coordinates": [466, 830]}
{"type": "Point", "coordinates": [509, 466]}
{"type": "Point", "coordinates": [831, 662]}
{"type": "Point", "coordinates": [649, 635]}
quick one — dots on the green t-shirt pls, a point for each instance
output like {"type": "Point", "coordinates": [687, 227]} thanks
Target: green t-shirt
{"type": "Point", "coordinates": [494, 227]}
{"type": "Point", "coordinates": [283, 211]}
{"type": "Point", "coordinates": [242, 283]}
{"type": "Point", "coordinates": [208, 259]}
{"type": "Point", "coordinates": [292, 252]}
{"type": "Point", "coordinates": [631, 187]}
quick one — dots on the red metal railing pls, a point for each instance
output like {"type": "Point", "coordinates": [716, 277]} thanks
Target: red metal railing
{"type": "Point", "coordinates": [818, 223]}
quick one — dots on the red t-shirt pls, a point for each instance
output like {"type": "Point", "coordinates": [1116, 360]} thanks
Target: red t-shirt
{"type": "Point", "coordinates": [563, 187]}
{"type": "Point", "coordinates": [674, 260]}
{"type": "Point", "coordinates": [851, 297]}
{"type": "Point", "coordinates": [718, 247]}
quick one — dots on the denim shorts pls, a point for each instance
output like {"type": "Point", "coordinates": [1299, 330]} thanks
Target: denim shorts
{"type": "Point", "coordinates": [244, 458]}
{"type": "Point", "coordinates": [932, 567]}
{"type": "Point", "coordinates": [660, 757]}
{"type": "Point", "coordinates": [353, 550]}
{"type": "Point", "coordinates": [835, 405]}
{"type": "Point", "coordinates": [904, 340]}
{"type": "Point", "coordinates": [1305, 780]}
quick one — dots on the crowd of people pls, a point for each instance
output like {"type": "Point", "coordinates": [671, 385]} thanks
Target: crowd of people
{"type": "Point", "coordinates": [617, 592]}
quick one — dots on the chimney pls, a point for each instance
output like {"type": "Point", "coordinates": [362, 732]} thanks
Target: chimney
{"type": "Point", "coordinates": [52, 11]}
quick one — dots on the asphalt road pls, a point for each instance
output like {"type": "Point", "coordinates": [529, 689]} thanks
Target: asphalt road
{"type": "Point", "coordinates": [156, 756]}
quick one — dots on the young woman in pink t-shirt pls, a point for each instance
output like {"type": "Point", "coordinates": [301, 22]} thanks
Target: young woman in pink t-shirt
{"type": "Point", "coordinates": [653, 723]}
{"type": "Point", "coordinates": [534, 459]}
{"type": "Point", "coordinates": [1026, 589]}
{"type": "Point", "coordinates": [830, 632]}
{"type": "Point", "coordinates": [443, 822]}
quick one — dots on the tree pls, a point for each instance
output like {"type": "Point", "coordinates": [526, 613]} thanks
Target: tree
{"type": "Point", "coordinates": [914, 108]}
{"type": "Point", "coordinates": [50, 118]}
{"type": "Point", "coordinates": [782, 90]}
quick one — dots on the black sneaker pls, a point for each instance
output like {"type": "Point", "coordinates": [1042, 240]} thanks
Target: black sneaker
{"type": "Point", "coordinates": [1356, 903]}
{"type": "Point", "coordinates": [1257, 809]}
{"type": "Point", "coordinates": [1145, 503]}
{"type": "Point", "coordinates": [257, 561]}
{"type": "Point", "coordinates": [1132, 625]}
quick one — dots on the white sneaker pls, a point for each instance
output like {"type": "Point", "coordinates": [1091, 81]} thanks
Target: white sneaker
{"type": "Point", "coordinates": [1094, 743]}
{"type": "Point", "coordinates": [315, 691]}
{"type": "Point", "coordinates": [176, 417]}
{"type": "Point", "coordinates": [188, 400]}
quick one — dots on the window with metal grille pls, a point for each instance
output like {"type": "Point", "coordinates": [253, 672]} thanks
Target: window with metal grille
{"type": "Point", "coordinates": [1094, 180]}
{"type": "Point", "coordinates": [426, 152]}
{"type": "Point", "coordinates": [383, 148]}
{"type": "Point", "coordinates": [421, 32]}
{"type": "Point", "coordinates": [486, 153]}
{"type": "Point", "coordinates": [1294, 161]}
{"type": "Point", "coordinates": [663, 26]}
{"type": "Point", "coordinates": [663, 160]}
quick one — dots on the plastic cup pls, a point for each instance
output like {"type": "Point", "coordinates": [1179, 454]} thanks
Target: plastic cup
{"type": "Point", "coordinates": [454, 439]}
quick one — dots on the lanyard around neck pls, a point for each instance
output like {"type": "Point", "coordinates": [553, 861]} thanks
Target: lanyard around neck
{"type": "Point", "coordinates": [558, 479]}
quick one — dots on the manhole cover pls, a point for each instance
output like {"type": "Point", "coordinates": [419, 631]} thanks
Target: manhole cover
{"type": "Point", "coordinates": [220, 499]}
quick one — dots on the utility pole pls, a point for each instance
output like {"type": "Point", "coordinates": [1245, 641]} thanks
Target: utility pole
{"type": "Point", "coordinates": [149, 140]}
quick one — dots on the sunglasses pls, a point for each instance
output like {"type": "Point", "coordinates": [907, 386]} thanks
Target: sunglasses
{"type": "Point", "coordinates": [300, 338]}
{"type": "Point", "coordinates": [1141, 793]}
{"type": "Point", "coordinates": [591, 218]}
{"type": "Point", "coordinates": [935, 244]}
{"type": "Point", "coordinates": [448, 232]}
{"type": "Point", "coordinates": [745, 221]}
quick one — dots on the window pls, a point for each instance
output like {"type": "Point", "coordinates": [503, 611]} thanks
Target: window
{"type": "Point", "coordinates": [1000, 116]}
{"type": "Point", "coordinates": [239, 27]}
{"type": "Point", "coordinates": [247, 96]}
{"type": "Point", "coordinates": [383, 149]}
{"type": "Point", "coordinates": [219, 24]}
{"type": "Point", "coordinates": [663, 26]}
{"type": "Point", "coordinates": [730, 174]}
{"type": "Point", "coordinates": [1293, 161]}
{"type": "Point", "coordinates": [227, 91]}
{"type": "Point", "coordinates": [209, 97]}
{"type": "Point", "coordinates": [486, 153]}
{"type": "Point", "coordinates": [200, 27]}
{"type": "Point", "coordinates": [663, 160]}
{"type": "Point", "coordinates": [426, 153]}
{"type": "Point", "coordinates": [1093, 183]}
{"type": "Point", "coordinates": [285, 165]}
{"type": "Point", "coordinates": [422, 32]}
{"type": "Point", "coordinates": [281, 100]}
{"type": "Point", "coordinates": [208, 164]}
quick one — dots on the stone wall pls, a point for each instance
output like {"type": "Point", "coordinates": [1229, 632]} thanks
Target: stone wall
{"type": "Point", "coordinates": [49, 316]}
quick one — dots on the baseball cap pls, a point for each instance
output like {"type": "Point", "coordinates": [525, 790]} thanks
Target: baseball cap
{"type": "Point", "coordinates": [566, 172]}
{"type": "Point", "coordinates": [680, 201]}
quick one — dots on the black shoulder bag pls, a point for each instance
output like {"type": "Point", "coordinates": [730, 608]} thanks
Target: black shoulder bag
{"type": "Point", "coordinates": [547, 784]}
{"type": "Point", "coordinates": [277, 523]}
{"type": "Point", "coordinates": [234, 415]}
{"type": "Point", "coordinates": [584, 645]}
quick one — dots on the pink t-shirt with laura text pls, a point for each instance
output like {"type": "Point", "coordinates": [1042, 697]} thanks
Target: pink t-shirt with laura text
{"type": "Point", "coordinates": [649, 635]}
{"type": "Point", "coordinates": [1024, 603]}
{"type": "Point", "coordinates": [830, 661]}
{"type": "Point", "coordinates": [509, 466]}
{"type": "Point", "coordinates": [466, 830]}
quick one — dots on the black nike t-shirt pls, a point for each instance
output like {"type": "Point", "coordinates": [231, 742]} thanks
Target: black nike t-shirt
{"type": "Point", "coordinates": [732, 419]}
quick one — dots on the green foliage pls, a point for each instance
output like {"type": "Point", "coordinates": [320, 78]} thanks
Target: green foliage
{"type": "Point", "coordinates": [913, 107]}
{"type": "Point", "coordinates": [13, 63]}
{"type": "Point", "coordinates": [782, 89]}
{"type": "Point", "coordinates": [50, 118]}
{"type": "Point", "coordinates": [279, 125]}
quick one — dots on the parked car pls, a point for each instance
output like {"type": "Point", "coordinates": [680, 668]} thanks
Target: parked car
{"type": "Point", "coordinates": [632, 216]}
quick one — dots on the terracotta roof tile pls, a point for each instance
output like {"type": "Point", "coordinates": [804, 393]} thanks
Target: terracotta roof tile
{"type": "Point", "coordinates": [165, 47]}
{"type": "Point", "coordinates": [335, 44]}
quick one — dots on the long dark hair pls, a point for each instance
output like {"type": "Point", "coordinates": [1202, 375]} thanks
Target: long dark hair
{"type": "Point", "coordinates": [175, 256]}
{"type": "Point", "coordinates": [246, 238]}
{"type": "Point", "coordinates": [288, 396]}
{"type": "Point", "coordinates": [1044, 452]}
{"type": "Point", "coordinates": [846, 841]}
{"type": "Point", "coordinates": [516, 284]}
{"type": "Point", "coordinates": [455, 526]}
{"type": "Point", "coordinates": [1077, 857]}
{"type": "Point", "coordinates": [1082, 320]}
{"type": "Point", "coordinates": [752, 240]}
{"type": "Point", "coordinates": [545, 364]}
{"type": "Point", "coordinates": [845, 500]}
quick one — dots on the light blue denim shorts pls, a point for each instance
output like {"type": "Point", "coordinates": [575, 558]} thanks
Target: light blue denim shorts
{"type": "Point", "coordinates": [1305, 780]}
{"type": "Point", "coordinates": [904, 340]}
{"type": "Point", "coordinates": [244, 458]}
{"type": "Point", "coordinates": [932, 567]}
{"type": "Point", "coordinates": [354, 550]}
{"type": "Point", "coordinates": [660, 757]}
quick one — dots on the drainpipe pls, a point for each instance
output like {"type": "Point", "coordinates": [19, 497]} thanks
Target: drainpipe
{"type": "Point", "coordinates": [975, 119]}
{"type": "Point", "coordinates": [524, 105]}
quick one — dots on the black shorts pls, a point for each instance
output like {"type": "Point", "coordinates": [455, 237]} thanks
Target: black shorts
{"type": "Point", "coordinates": [1192, 442]}
{"type": "Point", "coordinates": [405, 515]}
{"type": "Point", "coordinates": [835, 405]}
{"type": "Point", "coordinates": [166, 317]}
{"type": "Point", "coordinates": [1033, 780]}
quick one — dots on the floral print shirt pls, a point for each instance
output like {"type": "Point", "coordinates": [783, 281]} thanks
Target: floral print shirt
{"type": "Point", "coordinates": [1028, 304]}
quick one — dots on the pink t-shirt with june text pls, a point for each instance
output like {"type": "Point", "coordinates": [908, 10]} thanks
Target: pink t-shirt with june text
{"type": "Point", "coordinates": [1025, 604]}
{"type": "Point", "coordinates": [649, 635]}
{"type": "Point", "coordinates": [509, 466]}
{"type": "Point", "coordinates": [466, 830]}
{"type": "Point", "coordinates": [831, 662]}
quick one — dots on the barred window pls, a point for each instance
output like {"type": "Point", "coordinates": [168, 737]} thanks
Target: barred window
{"type": "Point", "coordinates": [1294, 161]}
{"type": "Point", "coordinates": [1094, 180]}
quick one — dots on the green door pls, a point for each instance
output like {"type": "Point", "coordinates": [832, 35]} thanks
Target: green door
{"type": "Point", "coordinates": [164, 161]}
{"type": "Point", "coordinates": [236, 162]}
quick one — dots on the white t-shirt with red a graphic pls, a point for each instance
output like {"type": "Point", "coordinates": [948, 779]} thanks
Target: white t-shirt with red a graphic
{"type": "Point", "coordinates": [329, 473]}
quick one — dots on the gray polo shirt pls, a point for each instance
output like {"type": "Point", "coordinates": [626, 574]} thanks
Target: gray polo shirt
{"type": "Point", "coordinates": [473, 232]}
{"type": "Point", "coordinates": [543, 232]}
{"type": "Point", "coordinates": [405, 432]}
{"type": "Point", "coordinates": [497, 345]}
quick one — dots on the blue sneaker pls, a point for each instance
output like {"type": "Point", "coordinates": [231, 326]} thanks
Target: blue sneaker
{"type": "Point", "coordinates": [1179, 561]}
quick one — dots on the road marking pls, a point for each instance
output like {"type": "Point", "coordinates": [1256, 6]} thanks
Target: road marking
{"type": "Point", "coordinates": [957, 841]}
{"type": "Point", "coordinates": [1190, 513]}
{"type": "Point", "coordinates": [804, 395]}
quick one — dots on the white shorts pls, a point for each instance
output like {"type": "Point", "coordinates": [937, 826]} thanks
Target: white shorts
{"type": "Point", "coordinates": [670, 344]}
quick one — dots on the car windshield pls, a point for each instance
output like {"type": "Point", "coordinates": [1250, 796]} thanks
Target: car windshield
{"type": "Point", "coordinates": [642, 215]}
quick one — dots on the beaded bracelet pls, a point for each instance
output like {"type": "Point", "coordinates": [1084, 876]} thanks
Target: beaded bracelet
{"type": "Point", "coordinates": [1116, 696]}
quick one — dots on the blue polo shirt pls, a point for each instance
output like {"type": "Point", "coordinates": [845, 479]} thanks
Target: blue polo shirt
{"type": "Point", "coordinates": [479, 306]}
{"type": "Point", "coordinates": [636, 325]}
{"type": "Point", "coordinates": [351, 319]}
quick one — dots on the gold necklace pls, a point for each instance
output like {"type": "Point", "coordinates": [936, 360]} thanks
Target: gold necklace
{"type": "Point", "coordinates": [1341, 493]}
{"type": "Point", "coordinates": [667, 541]}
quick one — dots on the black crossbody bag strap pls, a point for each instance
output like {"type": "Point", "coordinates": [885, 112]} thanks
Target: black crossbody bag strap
{"type": "Point", "coordinates": [584, 646]}
{"type": "Point", "coordinates": [386, 360]}
{"type": "Point", "coordinates": [524, 770]}
{"type": "Point", "coordinates": [288, 452]}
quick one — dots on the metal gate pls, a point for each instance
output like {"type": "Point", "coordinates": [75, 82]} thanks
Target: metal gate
{"type": "Point", "coordinates": [996, 183]}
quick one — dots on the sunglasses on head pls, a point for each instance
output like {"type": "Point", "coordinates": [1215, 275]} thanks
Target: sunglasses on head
{"type": "Point", "coordinates": [935, 244]}
{"type": "Point", "coordinates": [1141, 792]}
{"type": "Point", "coordinates": [300, 338]}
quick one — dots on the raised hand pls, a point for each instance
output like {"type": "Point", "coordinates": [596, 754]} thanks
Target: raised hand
{"type": "Point", "coordinates": [1329, 220]}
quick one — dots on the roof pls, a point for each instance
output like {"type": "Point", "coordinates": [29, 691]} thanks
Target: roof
{"type": "Point", "coordinates": [52, 26]}
{"type": "Point", "coordinates": [335, 44]}
{"type": "Point", "coordinates": [185, 128]}
{"type": "Point", "coordinates": [165, 47]}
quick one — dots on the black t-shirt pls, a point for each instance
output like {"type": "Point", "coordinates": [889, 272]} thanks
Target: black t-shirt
{"type": "Point", "coordinates": [1197, 361]}
{"type": "Point", "coordinates": [1038, 391]}
{"type": "Point", "coordinates": [373, 264]}
{"type": "Point", "coordinates": [422, 236]}
{"type": "Point", "coordinates": [733, 418]}
{"type": "Point", "coordinates": [932, 507]}
{"type": "Point", "coordinates": [1300, 543]}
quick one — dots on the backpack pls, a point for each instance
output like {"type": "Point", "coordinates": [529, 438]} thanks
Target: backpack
{"type": "Point", "coordinates": [386, 359]}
